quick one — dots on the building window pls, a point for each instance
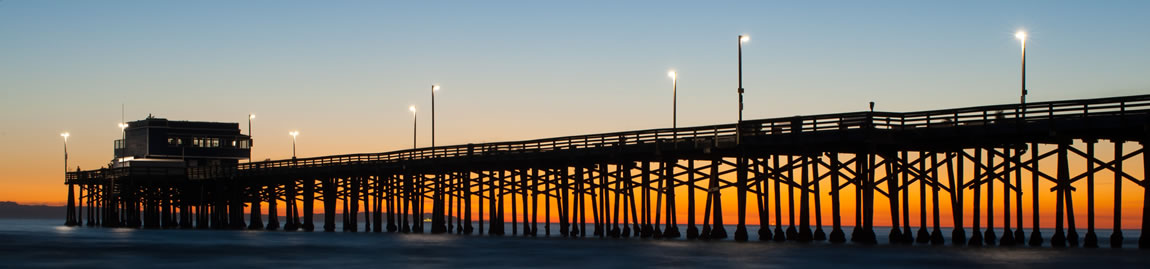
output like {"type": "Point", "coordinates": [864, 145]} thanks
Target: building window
{"type": "Point", "coordinates": [175, 141]}
{"type": "Point", "coordinates": [243, 144]}
{"type": "Point", "coordinates": [205, 142]}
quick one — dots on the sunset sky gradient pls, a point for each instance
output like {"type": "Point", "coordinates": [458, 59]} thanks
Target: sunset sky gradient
{"type": "Point", "coordinates": [344, 73]}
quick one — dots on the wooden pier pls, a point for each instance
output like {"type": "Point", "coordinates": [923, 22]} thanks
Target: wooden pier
{"type": "Point", "coordinates": [628, 184]}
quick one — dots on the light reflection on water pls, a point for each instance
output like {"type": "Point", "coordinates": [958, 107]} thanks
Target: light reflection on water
{"type": "Point", "coordinates": [46, 243]}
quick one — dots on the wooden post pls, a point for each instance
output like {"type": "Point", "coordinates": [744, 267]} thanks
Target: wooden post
{"type": "Point", "coordinates": [615, 231]}
{"type": "Point", "coordinates": [1144, 238]}
{"type": "Point", "coordinates": [1116, 236]}
{"type": "Point", "coordinates": [645, 204]}
{"type": "Point", "coordinates": [565, 203]}
{"type": "Point", "coordinates": [936, 234]}
{"type": "Point", "coordinates": [1007, 235]}
{"type": "Point", "coordinates": [868, 198]}
{"type": "Point", "coordinates": [329, 200]}
{"type": "Point", "coordinates": [741, 192]}
{"type": "Point", "coordinates": [763, 200]}
{"type": "Point", "coordinates": [1091, 238]}
{"type": "Point", "coordinates": [581, 197]}
{"type": "Point", "coordinates": [290, 223]}
{"type": "Point", "coordinates": [71, 214]}
{"type": "Point", "coordinates": [976, 235]}
{"type": "Point", "coordinates": [256, 212]}
{"type": "Point", "coordinates": [273, 207]}
{"type": "Point", "coordinates": [1019, 234]}
{"type": "Point", "coordinates": [820, 235]}
{"type": "Point", "coordinates": [805, 234]}
{"type": "Point", "coordinates": [837, 235]}
{"type": "Point", "coordinates": [896, 236]}
{"type": "Point", "coordinates": [717, 232]}
{"type": "Point", "coordinates": [792, 233]}
{"type": "Point", "coordinates": [692, 230]}
{"type": "Point", "coordinates": [990, 238]}
{"type": "Point", "coordinates": [1035, 234]}
{"type": "Point", "coordinates": [1059, 238]}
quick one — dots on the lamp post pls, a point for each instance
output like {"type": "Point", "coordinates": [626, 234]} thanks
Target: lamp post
{"type": "Point", "coordinates": [1021, 36]}
{"type": "Point", "coordinates": [123, 140]}
{"type": "Point", "coordinates": [414, 128]}
{"type": "Point", "coordinates": [65, 136]}
{"type": "Point", "coordinates": [250, 118]}
{"type": "Point", "coordinates": [73, 214]}
{"type": "Point", "coordinates": [739, 127]}
{"type": "Point", "coordinates": [434, 88]}
{"type": "Point", "coordinates": [674, 99]}
{"type": "Point", "coordinates": [293, 135]}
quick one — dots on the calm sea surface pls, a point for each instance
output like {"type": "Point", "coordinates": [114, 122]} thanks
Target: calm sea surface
{"type": "Point", "coordinates": [47, 243]}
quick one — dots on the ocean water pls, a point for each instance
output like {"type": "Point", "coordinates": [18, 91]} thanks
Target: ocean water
{"type": "Point", "coordinates": [48, 244]}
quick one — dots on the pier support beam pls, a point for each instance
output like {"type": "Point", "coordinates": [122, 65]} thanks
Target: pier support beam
{"type": "Point", "coordinates": [1091, 240]}
{"type": "Point", "coordinates": [273, 208]}
{"type": "Point", "coordinates": [308, 204]}
{"type": "Point", "coordinates": [1116, 236]}
{"type": "Point", "coordinates": [329, 199]}
{"type": "Point", "coordinates": [892, 187]}
{"type": "Point", "coordinates": [1035, 233]}
{"type": "Point", "coordinates": [718, 231]}
{"type": "Point", "coordinates": [805, 234]}
{"type": "Point", "coordinates": [692, 231]}
{"type": "Point", "coordinates": [1059, 238]}
{"type": "Point", "coordinates": [837, 235]}
{"type": "Point", "coordinates": [671, 230]}
{"type": "Point", "coordinates": [1144, 238]}
{"type": "Point", "coordinates": [741, 191]}
{"type": "Point", "coordinates": [71, 215]}
{"type": "Point", "coordinates": [256, 212]}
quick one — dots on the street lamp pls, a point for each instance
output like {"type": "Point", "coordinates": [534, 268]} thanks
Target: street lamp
{"type": "Point", "coordinates": [414, 127]}
{"type": "Point", "coordinates": [674, 98]}
{"type": "Point", "coordinates": [65, 136]}
{"type": "Point", "coordinates": [1021, 36]}
{"type": "Point", "coordinates": [293, 135]}
{"type": "Point", "coordinates": [250, 118]}
{"type": "Point", "coordinates": [434, 88]}
{"type": "Point", "coordinates": [739, 133]}
{"type": "Point", "coordinates": [123, 140]}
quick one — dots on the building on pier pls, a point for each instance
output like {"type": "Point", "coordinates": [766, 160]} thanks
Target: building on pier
{"type": "Point", "coordinates": [159, 142]}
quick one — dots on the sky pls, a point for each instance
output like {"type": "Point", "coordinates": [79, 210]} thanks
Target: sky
{"type": "Point", "coordinates": [343, 73]}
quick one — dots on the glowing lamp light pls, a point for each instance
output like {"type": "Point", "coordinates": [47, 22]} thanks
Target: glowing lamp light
{"type": "Point", "coordinates": [251, 116]}
{"type": "Point", "coordinates": [123, 125]}
{"type": "Point", "coordinates": [435, 87]}
{"type": "Point", "coordinates": [671, 74]}
{"type": "Point", "coordinates": [412, 108]}
{"type": "Point", "coordinates": [1020, 35]}
{"type": "Point", "coordinates": [65, 135]}
{"type": "Point", "coordinates": [744, 38]}
{"type": "Point", "coordinates": [293, 133]}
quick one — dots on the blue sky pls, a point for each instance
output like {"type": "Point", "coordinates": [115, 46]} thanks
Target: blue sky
{"type": "Point", "coordinates": [344, 72]}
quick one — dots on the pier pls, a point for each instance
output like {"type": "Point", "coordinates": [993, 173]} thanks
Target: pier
{"type": "Point", "coordinates": [628, 184]}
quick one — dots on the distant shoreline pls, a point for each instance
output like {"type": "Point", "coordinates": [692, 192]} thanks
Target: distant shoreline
{"type": "Point", "coordinates": [13, 210]}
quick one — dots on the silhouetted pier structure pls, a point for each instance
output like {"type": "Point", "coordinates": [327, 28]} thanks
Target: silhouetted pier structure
{"type": "Point", "coordinates": [627, 183]}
